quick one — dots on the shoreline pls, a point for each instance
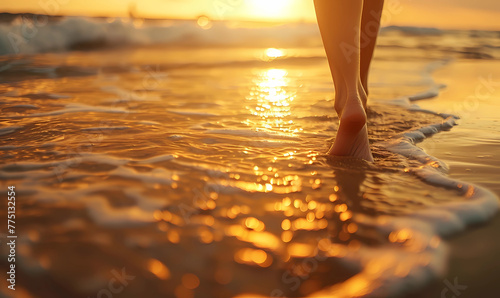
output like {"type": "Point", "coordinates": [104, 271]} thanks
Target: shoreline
{"type": "Point", "coordinates": [473, 256]}
{"type": "Point", "coordinates": [474, 264]}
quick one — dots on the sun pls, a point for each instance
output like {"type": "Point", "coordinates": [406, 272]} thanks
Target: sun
{"type": "Point", "coordinates": [269, 8]}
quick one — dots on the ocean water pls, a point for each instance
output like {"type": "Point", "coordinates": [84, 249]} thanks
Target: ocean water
{"type": "Point", "coordinates": [166, 160]}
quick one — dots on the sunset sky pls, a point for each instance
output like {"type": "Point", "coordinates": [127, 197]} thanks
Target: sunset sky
{"type": "Point", "coordinates": [465, 14]}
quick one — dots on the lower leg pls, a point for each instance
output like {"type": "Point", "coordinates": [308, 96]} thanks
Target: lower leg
{"type": "Point", "coordinates": [339, 23]}
{"type": "Point", "coordinates": [370, 24]}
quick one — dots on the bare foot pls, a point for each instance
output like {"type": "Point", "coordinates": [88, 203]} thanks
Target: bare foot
{"type": "Point", "coordinates": [352, 135]}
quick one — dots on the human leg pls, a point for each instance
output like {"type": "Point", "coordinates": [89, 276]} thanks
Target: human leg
{"type": "Point", "coordinates": [339, 22]}
{"type": "Point", "coordinates": [370, 25]}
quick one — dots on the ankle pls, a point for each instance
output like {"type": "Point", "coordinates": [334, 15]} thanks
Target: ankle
{"type": "Point", "coordinates": [363, 95]}
{"type": "Point", "coordinates": [348, 97]}
{"type": "Point", "coordinates": [340, 100]}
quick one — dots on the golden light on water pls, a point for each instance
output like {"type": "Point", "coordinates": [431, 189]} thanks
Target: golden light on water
{"type": "Point", "coordinates": [190, 281]}
{"type": "Point", "coordinates": [401, 236]}
{"type": "Point", "coordinates": [300, 250]}
{"type": "Point", "coordinates": [271, 99]}
{"type": "Point", "coordinates": [259, 239]}
{"type": "Point", "coordinates": [274, 53]}
{"type": "Point", "coordinates": [253, 257]}
{"type": "Point", "coordinates": [286, 224]}
{"type": "Point", "coordinates": [254, 224]}
{"type": "Point", "coordinates": [173, 236]}
{"type": "Point", "coordinates": [287, 236]}
{"type": "Point", "coordinates": [159, 269]}
{"type": "Point", "coordinates": [206, 236]}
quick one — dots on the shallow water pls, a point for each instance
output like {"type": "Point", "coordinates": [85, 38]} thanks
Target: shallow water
{"type": "Point", "coordinates": [201, 173]}
{"type": "Point", "coordinates": [473, 94]}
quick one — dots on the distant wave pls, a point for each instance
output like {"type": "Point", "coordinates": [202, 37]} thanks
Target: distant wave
{"type": "Point", "coordinates": [32, 35]}
{"type": "Point", "coordinates": [71, 33]}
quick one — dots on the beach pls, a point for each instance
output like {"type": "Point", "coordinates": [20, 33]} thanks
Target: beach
{"type": "Point", "coordinates": [191, 162]}
{"type": "Point", "coordinates": [473, 257]}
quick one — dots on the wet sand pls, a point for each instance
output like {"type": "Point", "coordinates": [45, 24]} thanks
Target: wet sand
{"type": "Point", "coordinates": [474, 262]}
{"type": "Point", "coordinates": [473, 92]}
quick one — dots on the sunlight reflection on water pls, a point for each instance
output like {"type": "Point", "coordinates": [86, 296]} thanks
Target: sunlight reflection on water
{"type": "Point", "coordinates": [200, 199]}
{"type": "Point", "coordinates": [271, 101]}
